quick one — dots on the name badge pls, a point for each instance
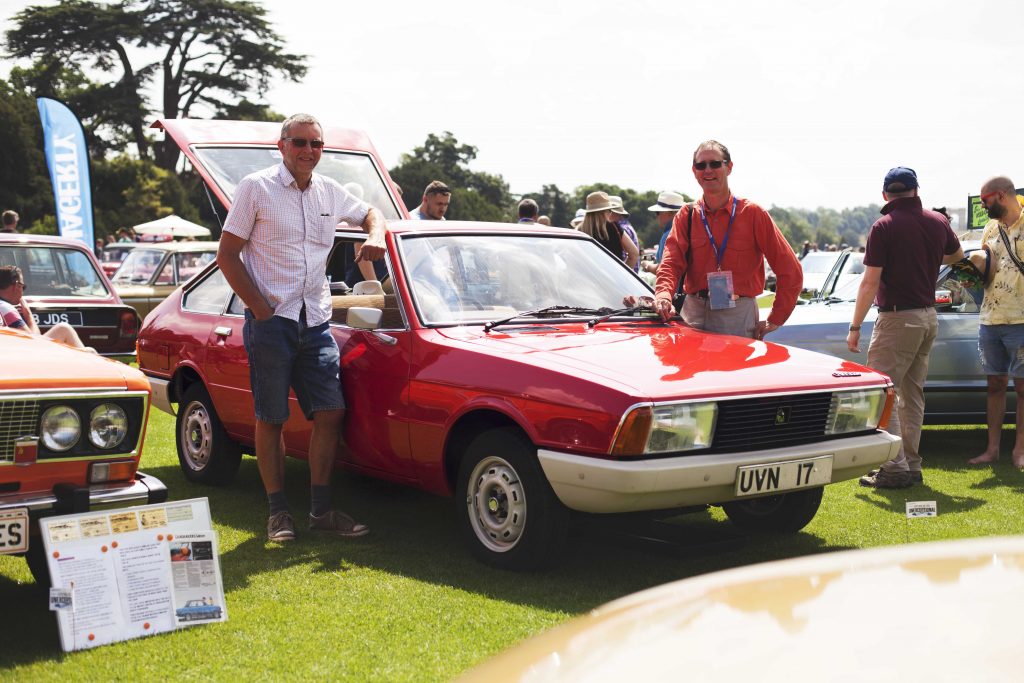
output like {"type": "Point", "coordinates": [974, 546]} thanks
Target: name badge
{"type": "Point", "coordinates": [720, 290]}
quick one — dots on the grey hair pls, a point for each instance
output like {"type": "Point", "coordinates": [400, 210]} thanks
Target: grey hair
{"type": "Point", "coordinates": [298, 118]}
{"type": "Point", "coordinates": [714, 145]}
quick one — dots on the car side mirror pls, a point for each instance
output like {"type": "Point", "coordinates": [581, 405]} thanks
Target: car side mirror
{"type": "Point", "coordinates": [363, 318]}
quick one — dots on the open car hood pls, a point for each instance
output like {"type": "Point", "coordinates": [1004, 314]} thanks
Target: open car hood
{"type": "Point", "coordinates": [188, 133]}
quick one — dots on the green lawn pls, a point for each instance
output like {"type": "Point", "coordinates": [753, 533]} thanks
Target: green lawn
{"type": "Point", "coordinates": [408, 603]}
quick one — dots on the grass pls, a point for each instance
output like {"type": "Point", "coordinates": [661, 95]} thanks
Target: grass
{"type": "Point", "coordinates": [407, 603]}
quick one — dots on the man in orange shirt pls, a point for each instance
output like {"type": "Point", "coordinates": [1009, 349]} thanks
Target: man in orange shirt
{"type": "Point", "coordinates": [719, 244]}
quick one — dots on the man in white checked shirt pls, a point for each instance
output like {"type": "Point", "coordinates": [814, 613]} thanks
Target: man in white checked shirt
{"type": "Point", "coordinates": [282, 222]}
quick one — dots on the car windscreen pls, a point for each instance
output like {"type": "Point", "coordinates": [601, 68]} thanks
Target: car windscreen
{"type": "Point", "coordinates": [355, 171]}
{"type": "Point", "coordinates": [138, 267]}
{"type": "Point", "coordinates": [458, 279]}
{"type": "Point", "coordinates": [55, 271]}
{"type": "Point", "coordinates": [818, 261]}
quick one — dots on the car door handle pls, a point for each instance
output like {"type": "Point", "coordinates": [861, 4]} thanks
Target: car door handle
{"type": "Point", "coordinates": [222, 331]}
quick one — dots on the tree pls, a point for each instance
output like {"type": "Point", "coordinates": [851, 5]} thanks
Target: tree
{"type": "Point", "coordinates": [24, 180]}
{"type": "Point", "coordinates": [475, 195]}
{"type": "Point", "coordinates": [212, 53]}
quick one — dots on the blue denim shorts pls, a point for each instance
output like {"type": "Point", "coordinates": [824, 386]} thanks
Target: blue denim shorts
{"type": "Point", "coordinates": [1002, 350]}
{"type": "Point", "coordinates": [284, 353]}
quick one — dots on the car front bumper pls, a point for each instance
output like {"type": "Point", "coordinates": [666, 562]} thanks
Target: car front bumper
{"type": "Point", "coordinates": [69, 499]}
{"type": "Point", "coordinates": [589, 484]}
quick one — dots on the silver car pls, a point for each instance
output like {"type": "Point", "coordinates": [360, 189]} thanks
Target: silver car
{"type": "Point", "coordinates": [956, 387]}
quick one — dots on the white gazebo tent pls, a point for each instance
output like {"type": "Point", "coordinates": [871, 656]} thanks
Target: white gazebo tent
{"type": "Point", "coordinates": [171, 226]}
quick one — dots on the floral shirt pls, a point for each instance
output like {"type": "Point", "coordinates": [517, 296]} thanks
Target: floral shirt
{"type": "Point", "coordinates": [1004, 298]}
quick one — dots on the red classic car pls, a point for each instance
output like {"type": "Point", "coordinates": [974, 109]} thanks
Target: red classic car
{"type": "Point", "coordinates": [71, 431]}
{"type": "Point", "coordinates": [64, 283]}
{"type": "Point", "coordinates": [495, 363]}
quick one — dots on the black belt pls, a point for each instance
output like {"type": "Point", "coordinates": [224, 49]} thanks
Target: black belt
{"type": "Point", "coordinates": [703, 294]}
{"type": "Point", "coordinates": [902, 307]}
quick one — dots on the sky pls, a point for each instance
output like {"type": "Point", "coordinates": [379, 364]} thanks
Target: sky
{"type": "Point", "coordinates": [815, 100]}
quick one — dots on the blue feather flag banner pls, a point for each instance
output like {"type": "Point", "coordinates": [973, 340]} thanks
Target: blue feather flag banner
{"type": "Point", "coordinates": [68, 161]}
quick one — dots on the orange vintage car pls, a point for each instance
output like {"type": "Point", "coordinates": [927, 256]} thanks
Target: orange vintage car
{"type": "Point", "coordinates": [72, 426]}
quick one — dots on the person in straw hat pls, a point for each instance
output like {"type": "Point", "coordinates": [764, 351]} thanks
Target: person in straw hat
{"type": "Point", "coordinates": [665, 210]}
{"type": "Point", "coordinates": [621, 218]}
{"type": "Point", "coordinates": [597, 223]}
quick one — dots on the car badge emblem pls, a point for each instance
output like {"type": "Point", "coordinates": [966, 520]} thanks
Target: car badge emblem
{"type": "Point", "coordinates": [846, 374]}
{"type": "Point", "coordinates": [782, 416]}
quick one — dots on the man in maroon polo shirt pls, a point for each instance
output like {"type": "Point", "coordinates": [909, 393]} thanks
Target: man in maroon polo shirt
{"type": "Point", "coordinates": [906, 247]}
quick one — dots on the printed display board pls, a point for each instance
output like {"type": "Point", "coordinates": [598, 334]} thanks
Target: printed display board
{"type": "Point", "coordinates": [121, 574]}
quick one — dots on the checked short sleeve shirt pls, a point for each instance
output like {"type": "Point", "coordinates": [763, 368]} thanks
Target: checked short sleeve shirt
{"type": "Point", "coordinates": [289, 234]}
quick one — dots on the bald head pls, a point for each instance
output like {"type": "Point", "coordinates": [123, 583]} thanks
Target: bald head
{"type": "Point", "coordinates": [998, 184]}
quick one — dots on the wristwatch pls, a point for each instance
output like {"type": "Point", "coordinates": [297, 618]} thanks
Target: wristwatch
{"type": "Point", "coordinates": [854, 328]}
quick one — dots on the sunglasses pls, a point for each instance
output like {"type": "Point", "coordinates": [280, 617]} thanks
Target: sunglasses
{"type": "Point", "coordinates": [701, 165]}
{"type": "Point", "coordinates": [985, 196]}
{"type": "Point", "coordinates": [302, 142]}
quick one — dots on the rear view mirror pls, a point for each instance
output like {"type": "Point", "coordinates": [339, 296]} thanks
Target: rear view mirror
{"type": "Point", "coordinates": [943, 297]}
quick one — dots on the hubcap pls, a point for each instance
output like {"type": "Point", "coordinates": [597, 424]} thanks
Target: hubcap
{"type": "Point", "coordinates": [496, 504]}
{"type": "Point", "coordinates": [196, 436]}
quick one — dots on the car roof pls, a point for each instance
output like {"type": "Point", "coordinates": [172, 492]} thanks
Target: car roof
{"type": "Point", "coordinates": [52, 240]}
{"type": "Point", "coordinates": [177, 246]}
{"type": "Point", "coordinates": [471, 227]}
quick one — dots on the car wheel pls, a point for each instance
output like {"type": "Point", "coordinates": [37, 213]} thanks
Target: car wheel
{"type": "Point", "coordinates": [508, 513]}
{"type": "Point", "coordinates": [784, 513]}
{"type": "Point", "coordinates": [205, 452]}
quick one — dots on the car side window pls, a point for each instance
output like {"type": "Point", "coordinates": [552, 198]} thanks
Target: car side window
{"type": "Point", "coordinates": [209, 296]}
{"type": "Point", "coordinates": [953, 295]}
{"type": "Point", "coordinates": [166, 274]}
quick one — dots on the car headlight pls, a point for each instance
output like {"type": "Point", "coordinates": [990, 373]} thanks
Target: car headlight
{"type": "Point", "coordinates": [855, 411]}
{"type": "Point", "coordinates": [108, 425]}
{"type": "Point", "coordinates": [666, 428]}
{"type": "Point", "coordinates": [61, 428]}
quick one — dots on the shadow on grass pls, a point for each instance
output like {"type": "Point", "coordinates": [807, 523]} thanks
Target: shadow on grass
{"type": "Point", "coordinates": [415, 535]}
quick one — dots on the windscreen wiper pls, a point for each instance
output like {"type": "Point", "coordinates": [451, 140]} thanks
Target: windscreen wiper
{"type": "Point", "coordinates": [625, 311]}
{"type": "Point", "coordinates": [543, 311]}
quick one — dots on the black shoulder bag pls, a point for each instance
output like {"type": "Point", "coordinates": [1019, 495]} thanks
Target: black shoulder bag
{"type": "Point", "coordinates": [680, 296]}
{"type": "Point", "coordinates": [1010, 251]}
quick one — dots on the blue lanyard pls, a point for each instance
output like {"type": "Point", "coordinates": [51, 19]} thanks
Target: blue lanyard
{"type": "Point", "coordinates": [719, 251]}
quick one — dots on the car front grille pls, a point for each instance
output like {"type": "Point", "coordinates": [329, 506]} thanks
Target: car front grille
{"type": "Point", "coordinates": [773, 422]}
{"type": "Point", "coordinates": [18, 418]}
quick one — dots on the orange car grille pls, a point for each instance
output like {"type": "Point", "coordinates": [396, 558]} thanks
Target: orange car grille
{"type": "Point", "coordinates": [18, 418]}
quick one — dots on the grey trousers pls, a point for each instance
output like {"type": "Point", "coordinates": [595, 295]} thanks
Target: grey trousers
{"type": "Point", "coordinates": [739, 321]}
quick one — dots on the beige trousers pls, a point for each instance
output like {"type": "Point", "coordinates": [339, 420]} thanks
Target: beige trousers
{"type": "Point", "coordinates": [900, 344]}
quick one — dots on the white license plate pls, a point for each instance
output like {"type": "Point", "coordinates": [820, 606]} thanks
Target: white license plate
{"type": "Point", "coordinates": [14, 531]}
{"type": "Point", "coordinates": [51, 318]}
{"type": "Point", "coordinates": [754, 480]}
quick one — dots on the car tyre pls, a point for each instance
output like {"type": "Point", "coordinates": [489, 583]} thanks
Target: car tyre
{"type": "Point", "coordinates": [785, 513]}
{"type": "Point", "coordinates": [508, 513]}
{"type": "Point", "coordinates": [206, 453]}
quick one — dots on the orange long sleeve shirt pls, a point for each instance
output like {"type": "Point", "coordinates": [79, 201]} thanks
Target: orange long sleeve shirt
{"type": "Point", "coordinates": [753, 238]}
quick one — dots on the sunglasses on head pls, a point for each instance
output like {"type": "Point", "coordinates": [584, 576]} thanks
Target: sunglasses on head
{"type": "Point", "coordinates": [701, 165]}
{"type": "Point", "coordinates": [302, 142]}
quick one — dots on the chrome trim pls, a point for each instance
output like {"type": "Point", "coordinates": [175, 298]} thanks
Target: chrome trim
{"type": "Point", "coordinates": [222, 331]}
{"type": "Point", "coordinates": [85, 392]}
{"type": "Point", "coordinates": [161, 396]}
{"type": "Point", "coordinates": [144, 489]}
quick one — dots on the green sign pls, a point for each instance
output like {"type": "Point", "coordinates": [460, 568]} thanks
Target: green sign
{"type": "Point", "coordinates": [977, 216]}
